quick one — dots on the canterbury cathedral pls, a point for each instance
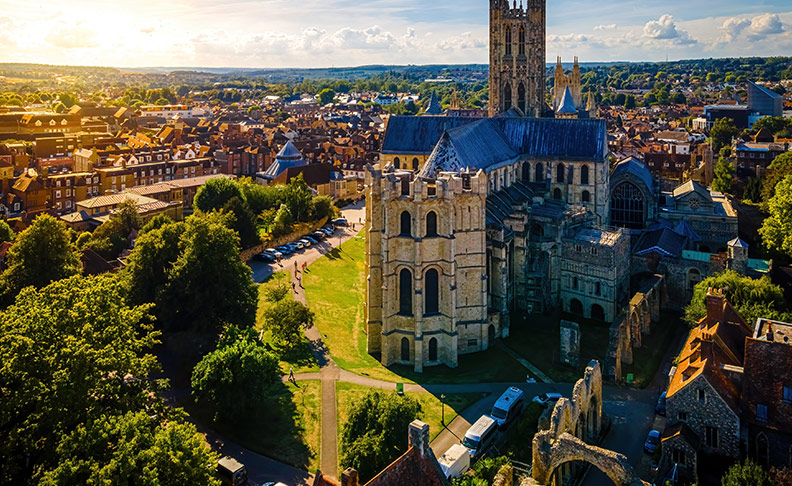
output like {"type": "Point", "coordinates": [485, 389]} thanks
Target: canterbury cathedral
{"type": "Point", "coordinates": [473, 220]}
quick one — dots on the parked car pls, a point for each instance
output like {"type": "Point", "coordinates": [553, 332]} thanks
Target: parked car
{"type": "Point", "coordinates": [318, 235]}
{"type": "Point", "coordinates": [285, 250]}
{"type": "Point", "coordinates": [306, 242]}
{"type": "Point", "coordinates": [480, 436]}
{"type": "Point", "coordinates": [231, 472]}
{"type": "Point", "coordinates": [660, 408]}
{"type": "Point", "coordinates": [328, 230]}
{"type": "Point", "coordinates": [340, 222]}
{"type": "Point", "coordinates": [275, 252]}
{"type": "Point", "coordinates": [265, 257]}
{"type": "Point", "coordinates": [652, 441]}
{"type": "Point", "coordinates": [546, 399]}
{"type": "Point", "coordinates": [292, 247]}
{"type": "Point", "coordinates": [299, 244]}
{"type": "Point", "coordinates": [311, 239]}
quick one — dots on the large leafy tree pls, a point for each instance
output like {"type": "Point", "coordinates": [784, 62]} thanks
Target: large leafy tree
{"type": "Point", "coordinates": [286, 320]}
{"type": "Point", "coordinates": [6, 233]}
{"type": "Point", "coordinates": [751, 298]}
{"type": "Point", "coordinates": [724, 176]}
{"type": "Point", "coordinates": [776, 230]}
{"type": "Point", "coordinates": [41, 254]}
{"type": "Point", "coordinates": [133, 448]}
{"type": "Point", "coordinates": [110, 239]}
{"type": "Point", "coordinates": [69, 353]}
{"type": "Point", "coordinates": [243, 222]}
{"type": "Point", "coordinates": [722, 133]}
{"type": "Point", "coordinates": [215, 193]}
{"type": "Point", "coordinates": [208, 285]}
{"type": "Point", "coordinates": [150, 264]}
{"type": "Point", "coordinates": [376, 432]}
{"type": "Point", "coordinates": [778, 170]}
{"type": "Point", "coordinates": [234, 380]}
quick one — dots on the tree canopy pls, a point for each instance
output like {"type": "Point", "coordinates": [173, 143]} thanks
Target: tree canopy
{"type": "Point", "coordinates": [776, 230]}
{"type": "Point", "coordinates": [375, 433]}
{"type": "Point", "coordinates": [41, 254]}
{"type": "Point", "coordinates": [112, 236]}
{"type": "Point", "coordinates": [747, 473]}
{"type": "Point", "coordinates": [724, 176]}
{"type": "Point", "coordinates": [722, 133]}
{"type": "Point", "coordinates": [215, 193]}
{"type": "Point", "coordinates": [286, 320]}
{"type": "Point", "coordinates": [751, 298]}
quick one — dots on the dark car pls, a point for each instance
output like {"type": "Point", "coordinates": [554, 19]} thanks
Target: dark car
{"type": "Point", "coordinates": [318, 235]}
{"type": "Point", "coordinates": [652, 441]}
{"type": "Point", "coordinates": [265, 257]}
{"type": "Point", "coordinates": [311, 239]}
{"type": "Point", "coordinates": [285, 250]}
{"type": "Point", "coordinates": [660, 408]}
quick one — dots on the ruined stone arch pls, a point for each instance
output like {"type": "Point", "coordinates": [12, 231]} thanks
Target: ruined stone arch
{"type": "Point", "coordinates": [570, 449]}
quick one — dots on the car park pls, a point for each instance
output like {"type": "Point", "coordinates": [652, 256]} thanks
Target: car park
{"type": "Point", "coordinates": [546, 399]}
{"type": "Point", "coordinates": [652, 441]}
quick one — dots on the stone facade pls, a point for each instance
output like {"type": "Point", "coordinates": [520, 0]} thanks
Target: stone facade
{"type": "Point", "coordinates": [517, 57]}
{"type": "Point", "coordinates": [570, 343]}
{"type": "Point", "coordinates": [563, 81]}
{"type": "Point", "coordinates": [427, 275]}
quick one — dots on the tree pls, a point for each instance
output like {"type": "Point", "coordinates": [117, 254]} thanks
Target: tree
{"type": "Point", "coordinates": [722, 133]}
{"type": "Point", "coordinates": [326, 96]}
{"type": "Point", "coordinates": [156, 222]}
{"type": "Point", "coordinates": [751, 298]}
{"type": "Point", "coordinates": [150, 264]}
{"type": "Point", "coordinates": [286, 321]}
{"type": "Point", "coordinates": [215, 193]}
{"type": "Point", "coordinates": [134, 448]}
{"type": "Point", "coordinates": [778, 170]}
{"type": "Point", "coordinates": [208, 285]}
{"type": "Point", "coordinates": [375, 433]}
{"type": "Point", "coordinates": [235, 380]}
{"type": "Point", "coordinates": [41, 254]}
{"type": "Point", "coordinates": [753, 190]}
{"type": "Point", "coordinates": [776, 231]}
{"type": "Point", "coordinates": [747, 473]}
{"type": "Point", "coordinates": [724, 176]}
{"type": "Point", "coordinates": [6, 233]}
{"type": "Point", "coordinates": [110, 239]}
{"type": "Point", "coordinates": [323, 207]}
{"type": "Point", "coordinates": [71, 352]}
{"type": "Point", "coordinates": [629, 102]}
{"type": "Point", "coordinates": [244, 222]}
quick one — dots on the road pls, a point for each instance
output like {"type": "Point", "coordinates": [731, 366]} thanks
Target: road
{"type": "Point", "coordinates": [355, 214]}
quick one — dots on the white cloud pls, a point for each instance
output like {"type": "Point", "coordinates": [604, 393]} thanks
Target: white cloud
{"type": "Point", "coordinates": [72, 35]}
{"type": "Point", "coordinates": [733, 27]}
{"type": "Point", "coordinates": [371, 38]}
{"type": "Point", "coordinates": [765, 25]}
{"type": "Point", "coordinates": [665, 28]}
{"type": "Point", "coordinates": [605, 27]}
{"type": "Point", "coordinates": [755, 29]}
{"type": "Point", "coordinates": [464, 41]}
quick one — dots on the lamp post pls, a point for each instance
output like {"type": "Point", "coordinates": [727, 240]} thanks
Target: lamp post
{"type": "Point", "coordinates": [442, 402]}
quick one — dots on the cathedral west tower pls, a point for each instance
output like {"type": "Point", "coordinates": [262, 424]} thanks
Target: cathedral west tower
{"type": "Point", "coordinates": [517, 57]}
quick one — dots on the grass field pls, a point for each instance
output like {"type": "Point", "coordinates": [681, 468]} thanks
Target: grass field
{"type": "Point", "coordinates": [335, 291]}
{"type": "Point", "coordinates": [347, 394]}
{"type": "Point", "coordinates": [287, 428]}
{"type": "Point", "coordinates": [300, 358]}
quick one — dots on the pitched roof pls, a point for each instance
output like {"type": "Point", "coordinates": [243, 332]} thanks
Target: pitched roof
{"type": "Point", "coordinates": [288, 157]}
{"type": "Point", "coordinates": [635, 167]}
{"type": "Point", "coordinates": [434, 106]}
{"type": "Point", "coordinates": [738, 243]}
{"type": "Point", "coordinates": [664, 241]}
{"type": "Point", "coordinates": [692, 186]}
{"type": "Point", "coordinates": [418, 134]}
{"type": "Point", "coordinates": [567, 105]}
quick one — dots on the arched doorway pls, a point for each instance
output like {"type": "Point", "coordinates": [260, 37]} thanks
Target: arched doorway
{"type": "Point", "coordinates": [491, 333]}
{"type": "Point", "coordinates": [433, 349]}
{"type": "Point", "coordinates": [576, 307]}
{"type": "Point", "coordinates": [557, 194]}
{"type": "Point", "coordinates": [415, 163]}
{"type": "Point", "coordinates": [693, 278]}
{"type": "Point", "coordinates": [762, 450]}
{"type": "Point", "coordinates": [597, 312]}
{"type": "Point", "coordinates": [585, 196]}
{"type": "Point", "coordinates": [405, 349]}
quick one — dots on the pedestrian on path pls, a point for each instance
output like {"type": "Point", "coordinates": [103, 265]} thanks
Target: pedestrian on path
{"type": "Point", "coordinates": [291, 376]}
{"type": "Point", "coordinates": [294, 288]}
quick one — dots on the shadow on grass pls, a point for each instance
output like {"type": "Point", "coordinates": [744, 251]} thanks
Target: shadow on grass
{"type": "Point", "coordinates": [490, 366]}
{"type": "Point", "coordinates": [277, 429]}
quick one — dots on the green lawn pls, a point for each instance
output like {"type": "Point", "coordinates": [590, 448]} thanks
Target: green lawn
{"type": "Point", "coordinates": [287, 429]}
{"type": "Point", "coordinates": [300, 358]}
{"type": "Point", "coordinates": [347, 394]}
{"type": "Point", "coordinates": [335, 290]}
{"type": "Point", "coordinates": [537, 338]}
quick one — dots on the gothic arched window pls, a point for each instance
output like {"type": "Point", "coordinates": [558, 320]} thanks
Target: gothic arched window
{"type": "Point", "coordinates": [405, 349]}
{"type": "Point", "coordinates": [508, 41]}
{"type": "Point", "coordinates": [584, 175]}
{"type": "Point", "coordinates": [433, 349]}
{"type": "Point", "coordinates": [585, 196]}
{"type": "Point", "coordinates": [540, 176]}
{"type": "Point", "coordinates": [507, 97]}
{"type": "Point", "coordinates": [560, 173]}
{"type": "Point", "coordinates": [415, 163]}
{"type": "Point", "coordinates": [405, 292]}
{"type": "Point", "coordinates": [432, 292]}
{"type": "Point", "coordinates": [526, 172]}
{"type": "Point", "coordinates": [396, 163]}
{"type": "Point", "coordinates": [521, 40]}
{"type": "Point", "coordinates": [521, 97]}
{"type": "Point", "coordinates": [627, 206]}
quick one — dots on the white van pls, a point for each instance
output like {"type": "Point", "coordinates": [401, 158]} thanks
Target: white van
{"type": "Point", "coordinates": [455, 462]}
{"type": "Point", "coordinates": [508, 407]}
{"type": "Point", "coordinates": [480, 436]}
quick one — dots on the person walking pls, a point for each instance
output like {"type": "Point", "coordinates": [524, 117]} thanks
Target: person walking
{"type": "Point", "coordinates": [291, 376]}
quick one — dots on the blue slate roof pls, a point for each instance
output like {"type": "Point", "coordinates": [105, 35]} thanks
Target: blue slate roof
{"type": "Point", "coordinates": [567, 106]}
{"type": "Point", "coordinates": [288, 157]}
{"type": "Point", "coordinates": [492, 143]}
{"type": "Point", "coordinates": [684, 229]}
{"type": "Point", "coordinates": [434, 108]}
{"type": "Point", "coordinates": [664, 241]}
{"type": "Point", "coordinates": [635, 167]}
{"type": "Point", "coordinates": [417, 135]}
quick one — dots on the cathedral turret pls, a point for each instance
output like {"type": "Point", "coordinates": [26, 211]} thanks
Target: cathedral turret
{"type": "Point", "coordinates": [517, 57]}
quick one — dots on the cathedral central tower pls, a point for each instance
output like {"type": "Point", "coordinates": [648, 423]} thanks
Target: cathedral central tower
{"type": "Point", "coordinates": [517, 57]}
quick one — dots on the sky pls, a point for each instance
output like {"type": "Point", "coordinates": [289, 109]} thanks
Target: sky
{"type": "Point", "coordinates": [327, 33]}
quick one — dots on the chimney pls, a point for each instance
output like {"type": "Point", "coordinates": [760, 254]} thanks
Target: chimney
{"type": "Point", "coordinates": [715, 303]}
{"type": "Point", "coordinates": [419, 437]}
{"type": "Point", "coordinates": [349, 477]}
